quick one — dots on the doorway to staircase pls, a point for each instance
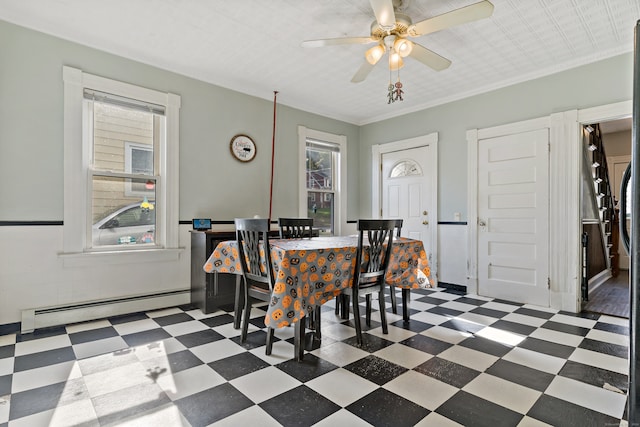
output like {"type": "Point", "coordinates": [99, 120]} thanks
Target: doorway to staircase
{"type": "Point", "coordinates": [607, 151]}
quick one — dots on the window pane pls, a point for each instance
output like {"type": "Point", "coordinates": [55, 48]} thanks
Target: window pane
{"type": "Point", "coordinates": [320, 208]}
{"type": "Point", "coordinates": [119, 219]}
{"type": "Point", "coordinates": [123, 139]}
{"type": "Point", "coordinates": [319, 169]}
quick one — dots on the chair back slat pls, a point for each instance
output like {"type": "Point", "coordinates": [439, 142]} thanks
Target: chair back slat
{"type": "Point", "coordinates": [252, 236]}
{"type": "Point", "coordinates": [374, 258]}
{"type": "Point", "coordinates": [295, 228]}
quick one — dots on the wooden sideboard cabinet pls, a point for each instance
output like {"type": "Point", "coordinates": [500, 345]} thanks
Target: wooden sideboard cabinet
{"type": "Point", "coordinates": [210, 291]}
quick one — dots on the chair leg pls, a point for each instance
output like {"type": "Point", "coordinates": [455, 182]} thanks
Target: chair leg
{"type": "Point", "coordinates": [270, 331]}
{"type": "Point", "coordinates": [368, 310]}
{"type": "Point", "coordinates": [338, 304]}
{"type": "Point", "coordinates": [345, 306]}
{"type": "Point", "coordinates": [317, 314]}
{"type": "Point", "coordinates": [298, 339]}
{"type": "Point", "coordinates": [356, 318]}
{"type": "Point", "coordinates": [237, 305]}
{"type": "Point", "coordinates": [406, 297]}
{"type": "Point", "coordinates": [383, 312]}
{"type": "Point", "coordinates": [245, 315]}
{"type": "Point", "coordinates": [394, 304]}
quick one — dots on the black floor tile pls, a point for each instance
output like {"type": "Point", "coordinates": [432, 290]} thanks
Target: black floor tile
{"type": "Point", "coordinates": [139, 399]}
{"type": "Point", "coordinates": [412, 325]}
{"type": "Point", "coordinates": [557, 412]}
{"type": "Point", "coordinates": [43, 358]}
{"type": "Point", "coordinates": [254, 339]}
{"type": "Point", "coordinates": [516, 328]}
{"type": "Point", "coordinates": [93, 335]}
{"type": "Point", "coordinates": [5, 384]}
{"type": "Point", "coordinates": [42, 333]}
{"type": "Point", "coordinates": [370, 343]}
{"type": "Point", "coordinates": [608, 327]}
{"type": "Point", "coordinates": [310, 407]}
{"type": "Point", "coordinates": [463, 326]}
{"type": "Point", "coordinates": [444, 311]}
{"type": "Point", "coordinates": [145, 337]}
{"type": "Point", "coordinates": [173, 319]}
{"type": "Point", "coordinates": [171, 363]}
{"type": "Point", "coordinates": [375, 369]}
{"type": "Point", "coordinates": [520, 374]}
{"type": "Point", "coordinates": [195, 339]}
{"type": "Point", "coordinates": [470, 410]}
{"type": "Point", "coordinates": [471, 301]}
{"type": "Point", "coordinates": [126, 318]}
{"type": "Point", "coordinates": [383, 408]}
{"type": "Point", "coordinates": [485, 345]}
{"type": "Point", "coordinates": [211, 405]}
{"type": "Point", "coordinates": [605, 347]}
{"type": "Point", "coordinates": [238, 365]}
{"type": "Point", "coordinates": [595, 376]}
{"type": "Point", "coordinates": [309, 368]}
{"type": "Point", "coordinates": [534, 313]}
{"type": "Point", "coordinates": [220, 320]}
{"type": "Point", "coordinates": [447, 372]}
{"type": "Point", "coordinates": [40, 399]}
{"type": "Point", "coordinates": [426, 344]}
{"type": "Point", "coordinates": [567, 329]}
{"type": "Point", "coordinates": [7, 351]}
{"type": "Point", "coordinates": [431, 300]}
{"type": "Point", "coordinates": [547, 347]}
{"type": "Point", "coordinates": [483, 311]}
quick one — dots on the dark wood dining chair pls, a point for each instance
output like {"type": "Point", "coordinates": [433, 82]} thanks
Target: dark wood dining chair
{"type": "Point", "coordinates": [257, 271]}
{"type": "Point", "coordinates": [392, 290]}
{"type": "Point", "coordinates": [299, 228]}
{"type": "Point", "coordinates": [372, 260]}
{"type": "Point", "coordinates": [295, 228]}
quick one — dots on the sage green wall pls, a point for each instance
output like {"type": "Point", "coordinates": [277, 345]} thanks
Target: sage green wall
{"type": "Point", "coordinates": [600, 83]}
{"type": "Point", "coordinates": [212, 183]}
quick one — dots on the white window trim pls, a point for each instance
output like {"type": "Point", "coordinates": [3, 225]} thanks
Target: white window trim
{"type": "Point", "coordinates": [76, 168]}
{"type": "Point", "coordinates": [340, 187]}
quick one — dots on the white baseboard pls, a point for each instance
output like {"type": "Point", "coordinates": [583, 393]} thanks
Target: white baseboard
{"type": "Point", "coordinates": [599, 279]}
{"type": "Point", "coordinates": [44, 317]}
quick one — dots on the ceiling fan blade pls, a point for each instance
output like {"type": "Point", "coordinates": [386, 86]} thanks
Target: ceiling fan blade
{"type": "Point", "coordinates": [470, 13]}
{"type": "Point", "coordinates": [337, 41]}
{"type": "Point", "coordinates": [429, 58]}
{"type": "Point", "coordinates": [383, 9]}
{"type": "Point", "coordinates": [362, 72]}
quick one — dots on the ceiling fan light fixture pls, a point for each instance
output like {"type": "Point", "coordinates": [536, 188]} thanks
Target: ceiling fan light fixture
{"type": "Point", "coordinates": [395, 61]}
{"type": "Point", "coordinates": [374, 54]}
{"type": "Point", "coordinates": [403, 47]}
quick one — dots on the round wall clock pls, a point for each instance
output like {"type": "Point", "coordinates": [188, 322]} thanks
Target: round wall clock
{"type": "Point", "coordinates": [243, 148]}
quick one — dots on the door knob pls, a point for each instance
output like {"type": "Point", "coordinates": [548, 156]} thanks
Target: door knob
{"type": "Point", "coordinates": [481, 223]}
{"type": "Point", "coordinates": [425, 222]}
{"type": "Point", "coordinates": [424, 213]}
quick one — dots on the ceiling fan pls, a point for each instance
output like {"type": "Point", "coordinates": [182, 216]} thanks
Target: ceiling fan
{"type": "Point", "coordinates": [391, 32]}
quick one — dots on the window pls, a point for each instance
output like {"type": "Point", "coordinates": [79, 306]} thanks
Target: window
{"type": "Point", "coordinates": [121, 166]}
{"type": "Point", "coordinates": [323, 169]}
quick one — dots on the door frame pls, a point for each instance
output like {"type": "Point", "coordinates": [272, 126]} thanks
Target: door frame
{"type": "Point", "coordinates": [377, 150]}
{"type": "Point", "coordinates": [565, 144]}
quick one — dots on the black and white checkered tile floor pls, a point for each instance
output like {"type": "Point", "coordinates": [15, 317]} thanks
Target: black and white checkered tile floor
{"type": "Point", "coordinates": [462, 360]}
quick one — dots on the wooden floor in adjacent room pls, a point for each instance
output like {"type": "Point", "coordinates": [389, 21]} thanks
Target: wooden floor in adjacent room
{"type": "Point", "coordinates": [612, 297]}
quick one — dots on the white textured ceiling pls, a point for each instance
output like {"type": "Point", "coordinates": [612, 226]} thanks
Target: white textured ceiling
{"type": "Point", "coordinates": [253, 46]}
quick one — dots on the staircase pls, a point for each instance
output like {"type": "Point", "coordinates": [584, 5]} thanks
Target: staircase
{"type": "Point", "coordinates": [602, 194]}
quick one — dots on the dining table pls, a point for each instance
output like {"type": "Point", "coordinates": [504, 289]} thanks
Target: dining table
{"type": "Point", "coordinates": [311, 271]}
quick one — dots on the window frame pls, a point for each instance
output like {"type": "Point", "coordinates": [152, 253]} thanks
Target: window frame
{"type": "Point", "coordinates": [340, 184]}
{"type": "Point", "coordinates": [77, 172]}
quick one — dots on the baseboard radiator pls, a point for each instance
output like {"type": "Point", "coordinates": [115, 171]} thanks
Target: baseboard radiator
{"type": "Point", "coordinates": [45, 317]}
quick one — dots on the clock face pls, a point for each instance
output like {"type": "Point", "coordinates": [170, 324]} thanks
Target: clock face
{"type": "Point", "coordinates": [243, 148]}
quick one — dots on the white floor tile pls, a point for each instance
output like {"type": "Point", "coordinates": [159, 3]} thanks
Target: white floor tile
{"type": "Point", "coordinates": [557, 337]}
{"type": "Point", "coordinates": [431, 318]}
{"type": "Point", "coordinates": [342, 418]}
{"type": "Point", "coordinates": [468, 357]}
{"type": "Point", "coordinates": [189, 381]}
{"type": "Point", "coordinates": [281, 352]}
{"type": "Point", "coordinates": [436, 420]}
{"type": "Point", "coordinates": [5, 406]}
{"type": "Point", "coordinates": [572, 320]}
{"type": "Point", "coordinates": [42, 344]}
{"type": "Point", "coordinates": [6, 365]}
{"type": "Point", "coordinates": [540, 308]}
{"type": "Point", "coordinates": [264, 384]}
{"type": "Point", "coordinates": [614, 320]}
{"type": "Point", "coordinates": [598, 399]}
{"type": "Point", "coordinates": [164, 312]}
{"type": "Point", "coordinates": [501, 336]}
{"type": "Point", "coordinates": [158, 348]}
{"type": "Point", "coordinates": [135, 327]}
{"type": "Point", "coordinates": [340, 354]}
{"type": "Point", "coordinates": [446, 334]}
{"type": "Point", "coordinates": [532, 359]}
{"type": "Point", "coordinates": [608, 337]}
{"type": "Point", "coordinates": [421, 389]}
{"type": "Point", "coordinates": [600, 360]}
{"type": "Point", "coordinates": [455, 305]}
{"type": "Point", "coordinates": [341, 386]}
{"type": "Point", "coordinates": [402, 355]}
{"type": "Point", "coordinates": [532, 422]}
{"type": "Point", "coordinates": [80, 413]}
{"type": "Point", "coordinates": [395, 334]}
{"type": "Point", "coordinates": [508, 308]}
{"type": "Point", "coordinates": [116, 379]}
{"type": "Point", "coordinates": [8, 339]}
{"type": "Point", "coordinates": [95, 348]}
{"type": "Point", "coordinates": [216, 350]}
{"type": "Point", "coordinates": [164, 416]}
{"type": "Point", "coordinates": [504, 393]}
{"type": "Point", "coordinates": [184, 328]}
{"type": "Point", "coordinates": [338, 331]}
{"type": "Point", "coordinates": [478, 318]}
{"type": "Point", "coordinates": [40, 377]}
{"type": "Point", "coordinates": [88, 326]}
{"type": "Point", "coordinates": [252, 416]}
{"type": "Point", "coordinates": [525, 320]}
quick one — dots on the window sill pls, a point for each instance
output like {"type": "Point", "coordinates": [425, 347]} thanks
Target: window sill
{"type": "Point", "coordinates": [90, 259]}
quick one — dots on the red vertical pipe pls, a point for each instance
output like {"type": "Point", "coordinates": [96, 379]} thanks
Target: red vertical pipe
{"type": "Point", "coordinates": [273, 151]}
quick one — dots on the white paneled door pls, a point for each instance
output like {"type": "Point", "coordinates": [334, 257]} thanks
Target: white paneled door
{"type": "Point", "coordinates": [513, 217]}
{"type": "Point", "coordinates": [406, 192]}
